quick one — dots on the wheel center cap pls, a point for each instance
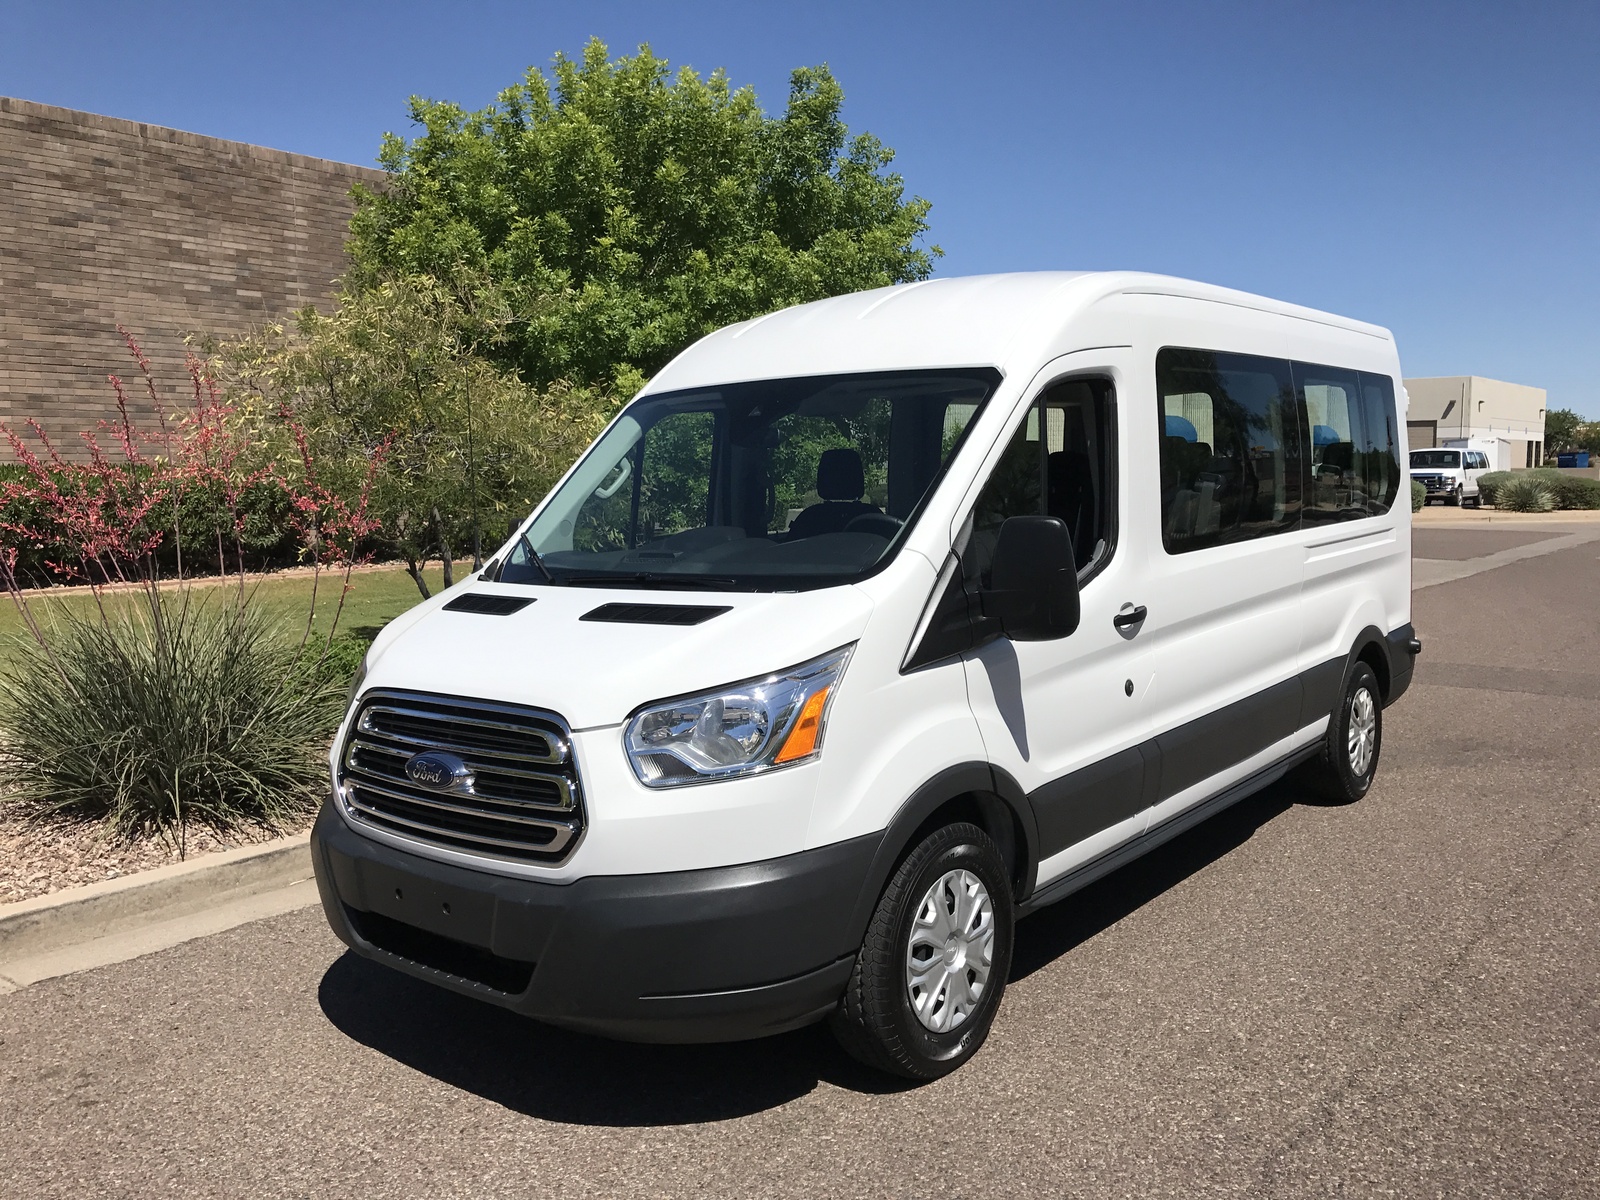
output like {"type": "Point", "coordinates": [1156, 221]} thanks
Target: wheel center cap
{"type": "Point", "coordinates": [955, 951]}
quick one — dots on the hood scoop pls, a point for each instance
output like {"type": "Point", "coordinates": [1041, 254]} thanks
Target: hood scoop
{"type": "Point", "coordinates": [488, 604]}
{"type": "Point", "coordinates": [655, 614]}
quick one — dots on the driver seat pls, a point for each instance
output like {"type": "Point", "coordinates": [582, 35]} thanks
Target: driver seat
{"type": "Point", "coordinates": [840, 483]}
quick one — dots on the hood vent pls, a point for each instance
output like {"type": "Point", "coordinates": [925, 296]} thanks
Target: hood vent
{"type": "Point", "coordinates": [488, 604]}
{"type": "Point", "coordinates": [656, 614]}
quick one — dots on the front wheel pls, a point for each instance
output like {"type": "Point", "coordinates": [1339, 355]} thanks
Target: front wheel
{"type": "Point", "coordinates": [1455, 497]}
{"type": "Point", "coordinates": [933, 965]}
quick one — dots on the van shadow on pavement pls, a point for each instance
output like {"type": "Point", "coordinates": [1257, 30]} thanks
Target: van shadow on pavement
{"type": "Point", "coordinates": [572, 1078]}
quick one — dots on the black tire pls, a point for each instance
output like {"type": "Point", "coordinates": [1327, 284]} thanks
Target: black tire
{"type": "Point", "coordinates": [1333, 774]}
{"type": "Point", "coordinates": [875, 1022]}
{"type": "Point", "coordinates": [1454, 500]}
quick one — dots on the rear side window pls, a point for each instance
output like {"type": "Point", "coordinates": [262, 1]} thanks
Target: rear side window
{"type": "Point", "coordinates": [1231, 455]}
{"type": "Point", "coordinates": [1350, 419]}
{"type": "Point", "coordinates": [1332, 400]}
{"type": "Point", "coordinates": [1380, 446]}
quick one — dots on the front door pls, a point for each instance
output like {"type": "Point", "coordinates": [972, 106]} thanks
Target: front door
{"type": "Point", "coordinates": [1065, 718]}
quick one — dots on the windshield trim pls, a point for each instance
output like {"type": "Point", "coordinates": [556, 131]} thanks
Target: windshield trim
{"type": "Point", "coordinates": [666, 581]}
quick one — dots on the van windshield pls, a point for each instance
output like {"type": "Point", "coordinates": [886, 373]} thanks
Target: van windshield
{"type": "Point", "coordinates": [1435, 458]}
{"type": "Point", "coordinates": [776, 485]}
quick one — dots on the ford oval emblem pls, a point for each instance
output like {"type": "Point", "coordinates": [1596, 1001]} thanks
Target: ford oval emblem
{"type": "Point", "coordinates": [440, 771]}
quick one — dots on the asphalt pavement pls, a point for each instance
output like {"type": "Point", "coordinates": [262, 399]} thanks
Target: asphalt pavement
{"type": "Point", "coordinates": [1396, 997]}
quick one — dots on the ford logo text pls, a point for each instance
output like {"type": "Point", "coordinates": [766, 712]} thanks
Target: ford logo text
{"type": "Point", "coordinates": [440, 771]}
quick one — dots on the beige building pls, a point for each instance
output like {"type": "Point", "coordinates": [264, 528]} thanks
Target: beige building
{"type": "Point", "coordinates": [1456, 408]}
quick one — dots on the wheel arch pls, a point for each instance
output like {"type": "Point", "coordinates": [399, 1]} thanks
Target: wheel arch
{"type": "Point", "coordinates": [974, 791]}
{"type": "Point", "coordinates": [1372, 647]}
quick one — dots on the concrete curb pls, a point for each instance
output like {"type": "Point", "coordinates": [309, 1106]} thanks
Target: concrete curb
{"type": "Point", "coordinates": [76, 915]}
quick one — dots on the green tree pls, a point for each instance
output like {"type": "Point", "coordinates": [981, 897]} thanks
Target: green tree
{"type": "Point", "coordinates": [398, 372]}
{"type": "Point", "coordinates": [625, 211]}
{"type": "Point", "coordinates": [1563, 430]}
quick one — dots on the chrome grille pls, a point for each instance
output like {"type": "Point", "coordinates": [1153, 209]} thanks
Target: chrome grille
{"type": "Point", "coordinates": [520, 798]}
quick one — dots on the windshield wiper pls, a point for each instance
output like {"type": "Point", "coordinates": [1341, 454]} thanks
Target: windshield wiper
{"type": "Point", "coordinates": [533, 557]}
{"type": "Point", "coordinates": [658, 579]}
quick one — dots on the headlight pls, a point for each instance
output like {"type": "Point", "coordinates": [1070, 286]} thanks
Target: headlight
{"type": "Point", "coordinates": [738, 730]}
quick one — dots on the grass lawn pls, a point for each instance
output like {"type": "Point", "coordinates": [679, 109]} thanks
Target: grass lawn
{"type": "Point", "coordinates": [376, 595]}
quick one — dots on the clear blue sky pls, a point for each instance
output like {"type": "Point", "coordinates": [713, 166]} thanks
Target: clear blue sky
{"type": "Point", "coordinates": [1431, 167]}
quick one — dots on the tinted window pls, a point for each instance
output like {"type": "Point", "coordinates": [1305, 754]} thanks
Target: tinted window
{"type": "Point", "coordinates": [1380, 447]}
{"type": "Point", "coordinates": [1334, 418]}
{"type": "Point", "coordinates": [1231, 457]}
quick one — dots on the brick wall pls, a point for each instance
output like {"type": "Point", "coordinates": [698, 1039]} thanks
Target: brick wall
{"type": "Point", "coordinates": [169, 233]}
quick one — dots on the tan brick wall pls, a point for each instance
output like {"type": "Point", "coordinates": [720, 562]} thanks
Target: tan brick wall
{"type": "Point", "coordinates": [169, 233]}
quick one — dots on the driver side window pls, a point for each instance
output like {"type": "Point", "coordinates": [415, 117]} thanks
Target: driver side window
{"type": "Point", "coordinates": [1058, 464]}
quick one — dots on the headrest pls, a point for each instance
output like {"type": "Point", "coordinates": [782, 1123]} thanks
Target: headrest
{"type": "Point", "coordinates": [839, 475]}
{"type": "Point", "coordinates": [1324, 435]}
{"type": "Point", "coordinates": [1182, 427]}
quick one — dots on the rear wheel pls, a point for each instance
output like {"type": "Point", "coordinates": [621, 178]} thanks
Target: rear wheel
{"type": "Point", "coordinates": [1344, 771]}
{"type": "Point", "coordinates": [933, 965]}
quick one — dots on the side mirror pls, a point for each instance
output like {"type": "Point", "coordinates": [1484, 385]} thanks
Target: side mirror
{"type": "Point", "coordinates": [1033, 582]}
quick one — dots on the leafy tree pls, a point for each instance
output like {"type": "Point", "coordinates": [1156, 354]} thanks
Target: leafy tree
{"type": "Point", "coordinates": [397, 375]}
{"type": "Point", "coordinates": [1563, 430]}
{"type": "Point", "coordinates": [625, 211]}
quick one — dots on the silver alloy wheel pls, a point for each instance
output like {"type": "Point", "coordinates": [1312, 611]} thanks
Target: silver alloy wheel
{"type": "Point", "coordinates": [950, 951]}
{"type": "Point", "coordinates": [1363, 731]}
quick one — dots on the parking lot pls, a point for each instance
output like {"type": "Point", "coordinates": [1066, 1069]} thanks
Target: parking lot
{"type": "Point", "coordinates": [1394, 997]}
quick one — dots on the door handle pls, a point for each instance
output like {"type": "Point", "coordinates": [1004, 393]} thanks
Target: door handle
{"type": "Point", "coordinates": [1133, 616]}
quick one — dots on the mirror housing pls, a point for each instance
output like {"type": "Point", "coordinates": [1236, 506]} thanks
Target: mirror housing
{"type": "Point", "coordinates": [1033, 582]}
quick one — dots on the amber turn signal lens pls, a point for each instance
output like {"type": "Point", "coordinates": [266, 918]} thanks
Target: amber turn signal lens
{"type": "Point", "coordinates": [802, 739]}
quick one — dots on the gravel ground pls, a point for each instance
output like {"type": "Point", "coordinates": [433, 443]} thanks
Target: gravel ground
{"type": "Point", "coordinates": [37, 858]}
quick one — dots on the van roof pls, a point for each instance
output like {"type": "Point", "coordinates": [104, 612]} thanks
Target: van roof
{"type": "Point", "coordinates": [960, 321]}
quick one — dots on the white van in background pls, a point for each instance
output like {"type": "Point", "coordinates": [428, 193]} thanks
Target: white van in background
{"type": "Point", "coordinates": [865, 629]}
{"type": "Point", "coordinates": [1450, 474]}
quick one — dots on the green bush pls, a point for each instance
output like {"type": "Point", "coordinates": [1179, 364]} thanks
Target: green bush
{"type": "Point", "coordinates": [266, 535]}
{"type": "Point", "coordinates": [1489, 485]}
{"type": "Point", "coordinates": [1567, 491]}
{"type": "Point", "coordinates": [1419, 496]}
{"type": "Point", "coordinates": [1525, 493]}
{"type": "Point", "coordinates": [166, 713]}
{"type": "Point", "coordinates": [1574, 491]}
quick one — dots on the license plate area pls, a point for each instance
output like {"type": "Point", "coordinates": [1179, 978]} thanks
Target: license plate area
{"type": "Point", "coordinates": [452, 912]}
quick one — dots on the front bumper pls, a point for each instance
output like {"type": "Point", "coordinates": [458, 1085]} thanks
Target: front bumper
{"type": "Point", "coordinates": [721, 954]}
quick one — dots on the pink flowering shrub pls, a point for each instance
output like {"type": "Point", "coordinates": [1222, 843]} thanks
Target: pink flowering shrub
{"type": "Point", "coordinates": [170, 704]}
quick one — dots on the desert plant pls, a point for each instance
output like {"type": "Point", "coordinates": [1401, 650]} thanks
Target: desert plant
{"type": "Point", "coordinates": [191, 711]}
{"type": "Point", "coordinates": [1419, 496]}
{"type": "Point", "coordinates": [1566, 491]}
{"type": "Point", "coordinates": [1490, 483]}
{"type": "Point", "coordinates": [1524, 493]}
{"type": "Point", "coordinates": [160, 709]}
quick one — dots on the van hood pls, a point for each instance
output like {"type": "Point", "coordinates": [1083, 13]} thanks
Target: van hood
{"type": "Point", "coordinates": [594, 673]}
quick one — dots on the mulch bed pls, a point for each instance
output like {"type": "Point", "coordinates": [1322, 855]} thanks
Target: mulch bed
{"type": "Point", "coordinates": [40, 857]}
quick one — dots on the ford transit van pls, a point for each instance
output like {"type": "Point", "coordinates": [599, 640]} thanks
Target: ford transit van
{"type": "Point", "coordinates": [867, 628]}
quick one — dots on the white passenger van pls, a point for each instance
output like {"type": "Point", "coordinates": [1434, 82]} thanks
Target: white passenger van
{"type": "Point", "coordinates": [867, 628]}
{"type": "Point", "coordinates": [1450, 474]}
